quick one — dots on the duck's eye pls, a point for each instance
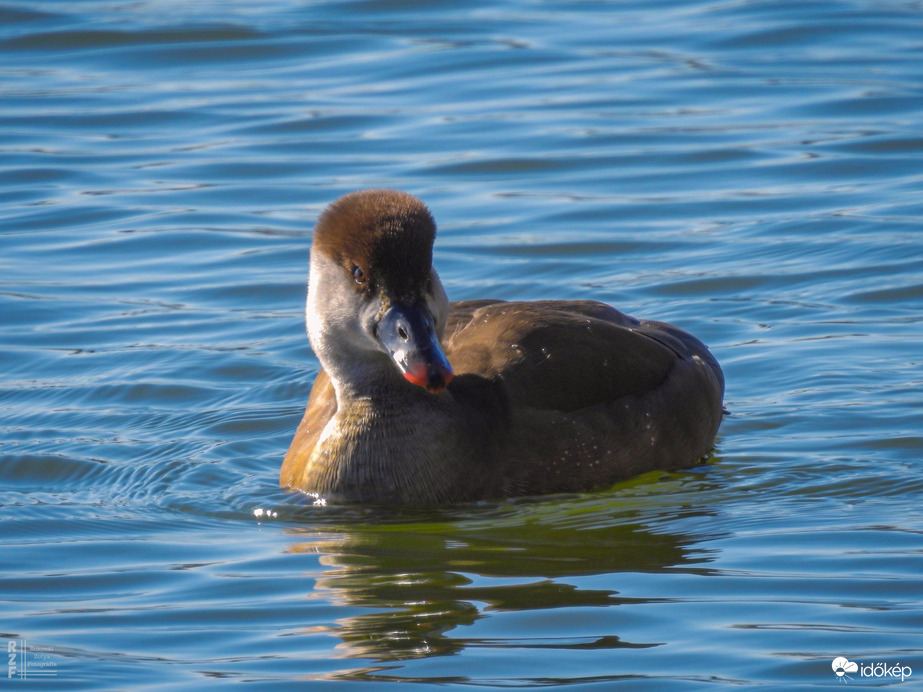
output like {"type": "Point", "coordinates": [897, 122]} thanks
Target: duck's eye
{"type": "Point", "coordinates": [360, 276]}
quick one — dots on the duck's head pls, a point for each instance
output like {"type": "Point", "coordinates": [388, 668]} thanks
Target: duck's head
{"type": "Point", "coordinates": [375, 304]}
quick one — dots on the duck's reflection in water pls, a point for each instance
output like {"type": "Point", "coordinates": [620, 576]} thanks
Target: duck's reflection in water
{"type": "Point", "coordinates": [422, 578]}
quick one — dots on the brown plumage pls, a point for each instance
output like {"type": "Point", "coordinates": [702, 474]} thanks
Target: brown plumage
{"type": "Point", "coordinates": [546, 396]}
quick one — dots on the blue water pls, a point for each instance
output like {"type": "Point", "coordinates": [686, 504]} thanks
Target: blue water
{"type": "Point", "coordinates": [749, 170]}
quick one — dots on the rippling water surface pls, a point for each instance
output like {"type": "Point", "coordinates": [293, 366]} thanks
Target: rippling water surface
{"type": "Point", "coordinates": [749, 170]}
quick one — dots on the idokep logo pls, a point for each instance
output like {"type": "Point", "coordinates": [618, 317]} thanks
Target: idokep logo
{"type": "Point", "coordinates": [842, 666]}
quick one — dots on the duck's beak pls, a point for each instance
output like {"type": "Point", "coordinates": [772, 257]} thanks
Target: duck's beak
{"type": "Point", "coordinates": [409, 336]}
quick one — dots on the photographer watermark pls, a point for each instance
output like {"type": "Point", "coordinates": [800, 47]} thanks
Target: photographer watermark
{"type": "Point", "coordinates": [25, 660]}
{"type": "Point", "coordinates": [842, 667]}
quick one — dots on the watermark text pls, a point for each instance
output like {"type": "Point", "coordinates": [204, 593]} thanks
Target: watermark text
{"type": "Point", "coordinates": [25, 660]}
{"type": "Point", "coordinates": [842, 667]}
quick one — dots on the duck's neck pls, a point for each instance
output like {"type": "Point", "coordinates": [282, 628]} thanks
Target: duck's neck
{"type": "Point", "coordinates": [388, 444]}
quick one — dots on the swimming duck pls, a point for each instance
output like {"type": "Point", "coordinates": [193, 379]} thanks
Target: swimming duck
{"type": "Point", "coordinates": [422, 401]}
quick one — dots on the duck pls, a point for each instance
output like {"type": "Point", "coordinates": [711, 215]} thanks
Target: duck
{"type": "Point", "coordinates": [420, 401]}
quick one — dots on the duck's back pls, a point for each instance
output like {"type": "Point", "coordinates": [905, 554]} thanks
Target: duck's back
{"type": "Point", "coordinates": [594, 395]}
